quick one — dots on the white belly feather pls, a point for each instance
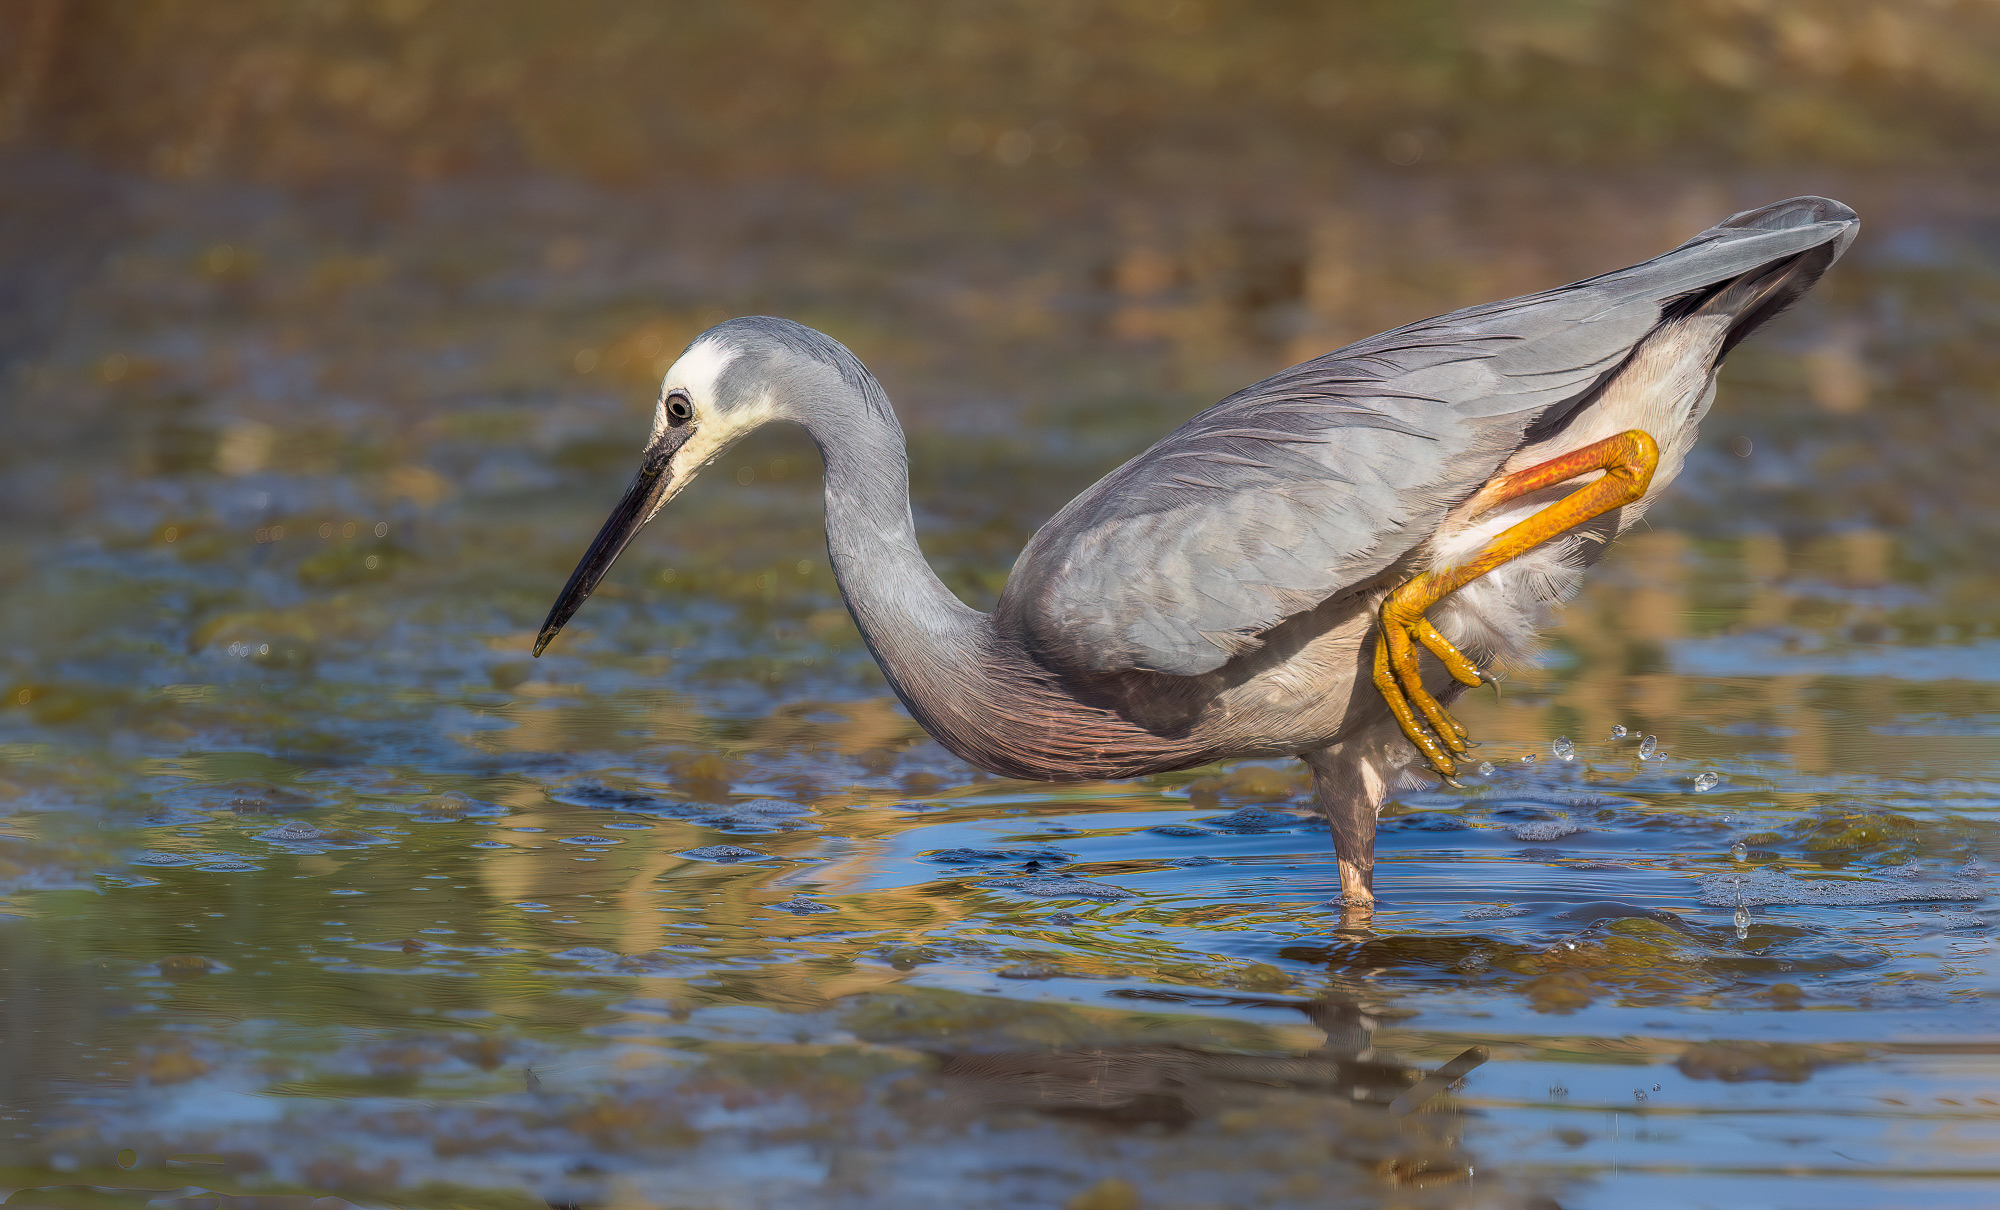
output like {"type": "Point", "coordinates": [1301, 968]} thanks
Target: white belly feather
{"type": "Point", "coordinates": [1664, 390]}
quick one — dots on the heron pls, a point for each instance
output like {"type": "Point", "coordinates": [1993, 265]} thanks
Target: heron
{"type": "Point", "coordinates": [1315, 567]}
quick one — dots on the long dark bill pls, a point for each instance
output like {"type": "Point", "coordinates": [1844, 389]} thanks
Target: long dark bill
{"type": "Point", "coordinates": [619, 529]}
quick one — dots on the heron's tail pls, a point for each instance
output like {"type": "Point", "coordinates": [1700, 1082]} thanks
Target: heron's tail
{"type": "Point", "coordinates": [1816, 229]}
{"type": "Point", "coordinates": [1819, 228]}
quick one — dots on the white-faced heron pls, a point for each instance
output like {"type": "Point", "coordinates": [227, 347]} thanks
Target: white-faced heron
{"type": "Point", "coordinates": [1312, 567]}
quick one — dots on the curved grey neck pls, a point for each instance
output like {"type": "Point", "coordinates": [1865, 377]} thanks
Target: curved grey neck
{"type": "Point", "coordinates": [926, 640]}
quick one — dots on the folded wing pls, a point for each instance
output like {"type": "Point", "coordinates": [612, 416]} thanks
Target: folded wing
{"type": "Point", "coordinates": [1320, 477]}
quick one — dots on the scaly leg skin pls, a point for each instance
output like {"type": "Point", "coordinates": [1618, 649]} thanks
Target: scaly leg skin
{"type": "Point", "coordinates": [1351, 780]}
{"type": "Point", "coordinates": [1627, 461]}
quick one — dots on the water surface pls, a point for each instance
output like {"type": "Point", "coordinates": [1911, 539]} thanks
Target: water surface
{"type": "Point", "coordinates": [314, 883]}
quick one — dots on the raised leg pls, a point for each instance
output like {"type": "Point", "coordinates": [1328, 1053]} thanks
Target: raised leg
{"type": "Point", "coordinates": [1627, 461]}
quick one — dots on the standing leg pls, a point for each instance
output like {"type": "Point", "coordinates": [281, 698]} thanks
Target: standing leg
{"type": "Point", "coordinates": [1351, 780]}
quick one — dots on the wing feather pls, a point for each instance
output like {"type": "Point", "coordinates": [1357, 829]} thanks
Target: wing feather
{"type": "Point", "coordinates": [1322, 476]}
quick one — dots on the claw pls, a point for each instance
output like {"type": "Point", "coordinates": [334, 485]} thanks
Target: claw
{"type": "Point", "coordinates": [1393, 694]}
{"type": "Point", "coordinates": [1400, 681]}
{"type": "Point", "coordinates": [1451, 657]}
{"type": "Point", "coordinates": [1627, 459]}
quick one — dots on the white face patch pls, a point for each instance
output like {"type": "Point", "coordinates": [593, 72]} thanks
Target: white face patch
{"type": "Point", "coordinates": [695, 374]}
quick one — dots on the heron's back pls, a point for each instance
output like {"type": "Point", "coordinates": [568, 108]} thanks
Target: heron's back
{"type": "Point", "coordinates": [1321, 477]}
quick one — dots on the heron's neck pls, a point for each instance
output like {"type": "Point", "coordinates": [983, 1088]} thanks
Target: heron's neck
{"type": "Point", "coordinates": [924, 637]}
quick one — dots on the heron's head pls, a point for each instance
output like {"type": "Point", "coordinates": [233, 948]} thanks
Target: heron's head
{"type": "Point", "coordinates": [736, 377]}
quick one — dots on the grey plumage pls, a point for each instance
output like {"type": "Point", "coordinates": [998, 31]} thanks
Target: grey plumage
{"type": "Point", "coordinates": [1216, 596]}
{"type": "Point", "coordinates": [1321, 476]}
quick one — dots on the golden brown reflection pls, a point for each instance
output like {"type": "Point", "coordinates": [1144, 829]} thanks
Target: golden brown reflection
{"type": "Point", "coordinates": [1613, 656]}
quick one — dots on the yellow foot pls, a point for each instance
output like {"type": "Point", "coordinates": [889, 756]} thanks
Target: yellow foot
{"type": "Point", "coordinates": [1627, 460]}
{"type": "Point", "coordinates": [1424, 720]}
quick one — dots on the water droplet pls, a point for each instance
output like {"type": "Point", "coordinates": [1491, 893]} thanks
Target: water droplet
{"type": "Point", "coordinates": [1485, 768]}
{"type": "Point", "coordinates": [155, 857]}
{"type": "Point", "coordinates": [1649, 747]}
{"type": "Point", "coordinates": [1742, 922]}
{"type": "Point", "coordinates": [1563, 749]}
{"type": "Point", "coordinates": [1529, 759]}
{"type": "Point", "coordinates": [1706, 782]}
{"type": "Point", "coordinates": [1656, 1088]}
{"type": "Point", "coordinates": [1639, 1095]}
{"type": "Point", "coordinates": [1557, 1091]}
{"type": "Point", "coordinates": [1739, 851]}
{"type": "Point", "coordinates": [1619, 731]}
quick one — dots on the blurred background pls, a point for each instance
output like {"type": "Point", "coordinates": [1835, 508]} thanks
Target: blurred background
{"type": "Point", "coordinates": [329, 330]}
{"type": "Point", "coordinates": [1179, 196]}
{"type": "Point", "coordinates": [629, 94]}
{"type": "Point", "coordinates": [429, 259]}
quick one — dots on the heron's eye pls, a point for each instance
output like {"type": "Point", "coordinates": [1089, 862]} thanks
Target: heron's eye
{"type": "Point", "coordinates": [678, 411]}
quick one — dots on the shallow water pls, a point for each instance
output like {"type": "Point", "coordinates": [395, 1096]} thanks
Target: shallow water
{"type": "Point", "coordinates": [314, 883]}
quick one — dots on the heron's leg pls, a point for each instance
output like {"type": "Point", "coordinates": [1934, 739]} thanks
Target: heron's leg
{"type": "Point", "coordinates": [1351, 780]}
{"type": "Point", "coordinates": [1627, 461]}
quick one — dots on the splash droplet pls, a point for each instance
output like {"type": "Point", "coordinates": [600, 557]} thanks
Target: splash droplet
{"type": "Point", "coordinates": [1485, 768]}
{"type": "Point", "coordinates": [1619, 731]}
{"type": "Point", "coordinates": [1649, 747]}
{"type": "Point", "coordinates": [1529, 759]}
{"type": "Point", "coordinates": [1742, 922]}
{"type": "Point", "coordinates": [1639, 1095]}
{"type": "Point", "coordinates": [1706, 782]}
{"type": "Point", "coordinates": [1563, 749]}
{"type": "Point", "coordinates": [1739, 851]}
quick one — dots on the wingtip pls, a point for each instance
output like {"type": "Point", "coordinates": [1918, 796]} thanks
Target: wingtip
{"type": "Point", "coordinates": [1805, 211]}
